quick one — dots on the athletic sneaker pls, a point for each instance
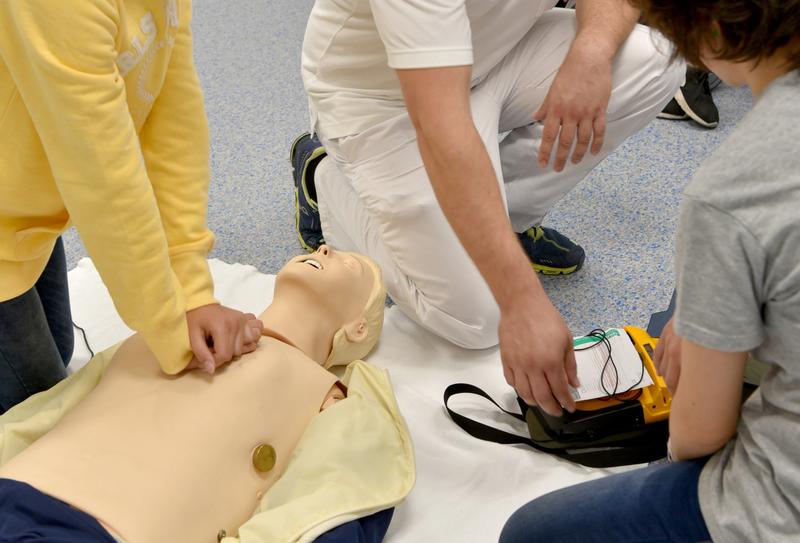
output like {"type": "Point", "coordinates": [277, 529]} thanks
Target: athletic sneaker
{"type": "Point", "coordinates": [551, 252]}
{"type": "Point", "coordinates": [305, 155]}
{"type": "Point", "coordinates": [695, 98]}
{"type": "Point", "coordinates": [713, 81]}
{"type": "Point", "coordinates": [673, 112]}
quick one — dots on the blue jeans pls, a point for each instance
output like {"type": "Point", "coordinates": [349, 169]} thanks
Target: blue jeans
{"type": "Point", "coordinates": [36, 335]}
{"type": "Point", "coordinates": [27, 515]}
{"type": "Point", "coordinates": [369, 529]}
{"type": "Point", "coordinates": [655, 504]}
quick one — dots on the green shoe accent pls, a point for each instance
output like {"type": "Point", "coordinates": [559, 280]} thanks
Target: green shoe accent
{"type": "Point", "coordinates": [534, 232]}
{"type": "Point", "coordinates": [315, 155]}
{"type": "Point", "coordinates": [547, 270]}
{"type": "Point", "coordinates": [537, 233]}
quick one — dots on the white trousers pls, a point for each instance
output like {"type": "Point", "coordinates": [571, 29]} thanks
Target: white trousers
{"type": "Point", "coordinates": [375, 196]}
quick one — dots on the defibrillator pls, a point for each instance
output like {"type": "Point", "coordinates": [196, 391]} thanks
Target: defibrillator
{"type": "Point", "coordinates": [623, 429]}
{"type": "Point", "coordinates": [629, 411]}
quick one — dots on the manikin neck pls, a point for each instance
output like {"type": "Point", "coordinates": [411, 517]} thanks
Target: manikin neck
{"type": "Point", "coordinates": [295, 325]}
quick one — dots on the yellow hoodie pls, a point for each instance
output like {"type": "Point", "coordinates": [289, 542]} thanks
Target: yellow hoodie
{"type": "Point", "coordinates": [102, 126]}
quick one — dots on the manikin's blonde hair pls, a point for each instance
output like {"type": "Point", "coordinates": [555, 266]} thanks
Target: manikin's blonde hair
{"type": "Point", "coordinates": [344, 351]}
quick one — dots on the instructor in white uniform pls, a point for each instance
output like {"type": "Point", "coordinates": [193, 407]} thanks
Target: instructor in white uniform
{"type": "Point", "coordinates": [408, 98]}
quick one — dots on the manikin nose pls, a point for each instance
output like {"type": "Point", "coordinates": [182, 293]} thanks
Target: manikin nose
{"type": "Point", "coordinates": [325, 250]}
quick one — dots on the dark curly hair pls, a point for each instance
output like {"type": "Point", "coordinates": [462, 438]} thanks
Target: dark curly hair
{"type": "Point", "coordinates": [750, 29]}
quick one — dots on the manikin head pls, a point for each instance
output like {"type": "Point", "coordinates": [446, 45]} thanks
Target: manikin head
{"type": "Point", "coordinates": [328, 304]}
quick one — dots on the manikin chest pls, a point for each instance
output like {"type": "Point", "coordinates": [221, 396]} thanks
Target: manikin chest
{"type": "Point", "coordinates": [158, 458]}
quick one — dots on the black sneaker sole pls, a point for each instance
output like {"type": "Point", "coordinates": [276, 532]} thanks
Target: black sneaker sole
{"type": "Point", "coordinates": [694, 116]}
{"type": "Point", "coordinates": [672, 117]}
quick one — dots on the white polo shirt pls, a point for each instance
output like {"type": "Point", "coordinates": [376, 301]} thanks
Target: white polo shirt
{"type": "Point", "coordinates": [352, 48]}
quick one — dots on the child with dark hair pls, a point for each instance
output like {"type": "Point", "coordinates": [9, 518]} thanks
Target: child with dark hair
{"type": "Point", "coordinates": [734, 474]}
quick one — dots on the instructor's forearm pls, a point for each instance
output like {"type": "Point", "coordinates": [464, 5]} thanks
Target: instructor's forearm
{"type": "Point", "coordinates": [464, 180]}
{"type": "Point", "coordinates": [466, 187]}
{"type": "Point", "coordinates": [603, 26]}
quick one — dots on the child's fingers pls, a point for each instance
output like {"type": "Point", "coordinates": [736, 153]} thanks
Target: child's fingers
{"type": "Point", "coordinates": [249, 347]}
{"type": "Point", "coordinates": [254, 321]}
{"type": "Point", "coordinates": [223, 341]}
{"type": "Point", "coordinates": [238, 343]}
{"type": "Point", "coordinates": [252, 332]}
{"type": "Point", "coordinates": [199, 346]}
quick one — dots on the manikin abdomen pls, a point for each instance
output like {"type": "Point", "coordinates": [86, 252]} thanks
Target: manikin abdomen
{"type": "Point", "coordinates": [158, 458]}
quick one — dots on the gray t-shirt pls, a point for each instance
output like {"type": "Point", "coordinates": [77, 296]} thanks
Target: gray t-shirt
{"type": "Point", "coordinates": [738, 265]}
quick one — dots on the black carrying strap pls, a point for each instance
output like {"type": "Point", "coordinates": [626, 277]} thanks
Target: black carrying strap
{"type": "Point", "coordinates": [625, 449]}
{"type": "Point", "coordinates": [478, 429]}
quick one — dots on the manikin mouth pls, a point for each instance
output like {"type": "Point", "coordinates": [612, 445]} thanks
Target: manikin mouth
{"type": "Point", "coordinates": [313, 262]}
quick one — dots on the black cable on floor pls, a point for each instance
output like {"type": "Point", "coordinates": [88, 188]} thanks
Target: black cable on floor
{"type": "Point", "coordinates": [85, 341]}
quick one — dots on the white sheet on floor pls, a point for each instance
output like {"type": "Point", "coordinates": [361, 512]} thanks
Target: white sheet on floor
{"type": "Point", "coordinates": [466, 489]}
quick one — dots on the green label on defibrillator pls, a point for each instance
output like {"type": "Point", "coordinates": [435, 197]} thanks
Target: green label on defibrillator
{"type": "Point", "coordinates": [608, 334]}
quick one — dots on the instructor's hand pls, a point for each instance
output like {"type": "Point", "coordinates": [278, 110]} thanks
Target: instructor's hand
{"type": "Point", "coordinates": [575, 108]}
{"type": "Point", "coordinates": [536, 349]}
{"type": "Point", "coordinates": [217, 334]}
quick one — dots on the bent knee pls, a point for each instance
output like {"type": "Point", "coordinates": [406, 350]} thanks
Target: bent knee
{"type": "Point", "coordinates": [649, 49]}
{"type": "Point", "coordinates": [520, 527]}
{"type": "Point", "coordinates": [645, 78]}
{"type": "Point", "coordinates": [672, 73]}
{"type": "Point", "coordinates": [469, 321]}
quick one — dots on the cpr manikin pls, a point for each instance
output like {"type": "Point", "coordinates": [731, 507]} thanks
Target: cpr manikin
{"type": "Point", "coordinates": [179, 459]}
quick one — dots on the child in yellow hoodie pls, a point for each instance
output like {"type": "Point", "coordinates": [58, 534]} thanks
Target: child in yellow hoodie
{"type": "Point", "coordinates": [102, 126]}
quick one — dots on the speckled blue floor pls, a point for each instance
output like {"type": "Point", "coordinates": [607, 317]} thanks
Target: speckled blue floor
{"type": "Point", "coordinates": [624, 213]}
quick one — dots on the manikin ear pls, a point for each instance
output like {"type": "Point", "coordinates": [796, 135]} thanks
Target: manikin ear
{"type": "Point", "coordinates": [356, 331]}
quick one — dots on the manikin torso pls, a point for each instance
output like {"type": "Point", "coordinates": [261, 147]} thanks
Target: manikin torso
{"type": "Point", "coordinates": [157, 459]}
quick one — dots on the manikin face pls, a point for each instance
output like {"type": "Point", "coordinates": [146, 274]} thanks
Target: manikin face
{"type": "Point", "coordinates": [337, 283]}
